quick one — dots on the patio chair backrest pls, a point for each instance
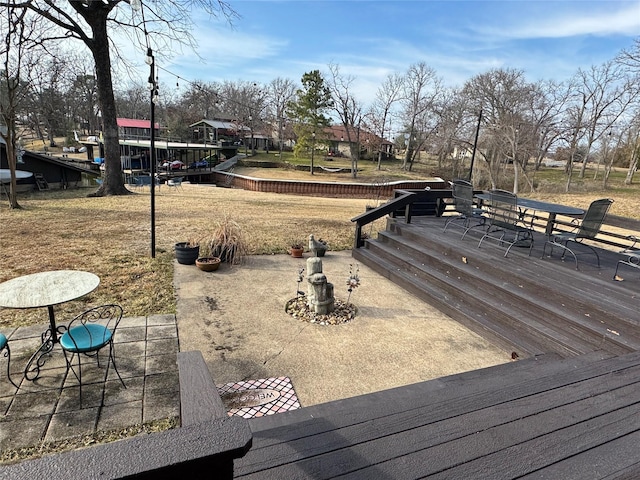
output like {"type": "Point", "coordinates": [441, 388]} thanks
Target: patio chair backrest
{"type": "Point", "coordinates": [593, 219]}
{"type": "Point", "coordinates": [503, 208]}
{"type": "Point", "coordinates": [462, 192]}
{"type": "Point", "coordinates": [92, 329]}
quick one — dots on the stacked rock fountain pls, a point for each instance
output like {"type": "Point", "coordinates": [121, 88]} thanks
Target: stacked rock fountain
{"type": "Point", "coordinates": [320, 297]}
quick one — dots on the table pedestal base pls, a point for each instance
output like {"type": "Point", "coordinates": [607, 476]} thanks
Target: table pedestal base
{"type": "Point", "coordinates": [37, 360]}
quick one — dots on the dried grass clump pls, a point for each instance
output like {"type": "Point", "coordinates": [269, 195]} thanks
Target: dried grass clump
{"type": "Point", "coordinates": [226, 241]}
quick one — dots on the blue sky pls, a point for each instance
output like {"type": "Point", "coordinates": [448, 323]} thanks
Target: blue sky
{"type": "Point", "coordinates": [372, 39]}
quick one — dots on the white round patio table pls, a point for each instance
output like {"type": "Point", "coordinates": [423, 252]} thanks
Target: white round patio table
{"type": "Point", "coordinates": [46, 289]}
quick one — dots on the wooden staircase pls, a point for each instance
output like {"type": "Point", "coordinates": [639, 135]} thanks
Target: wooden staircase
{"type": "Point", "coordinates": [522, 303]}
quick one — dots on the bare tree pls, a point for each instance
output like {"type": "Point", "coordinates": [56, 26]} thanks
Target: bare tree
{"type": "Point", "coordinates": [133, 102]}
{"type": "Point", "coordinates": [421, 89]}
{"type": "Point", "coordinates": [631, 57]}
{"type": "Point", "coordinates": [46, 110]}
{"type": "Point", "coordinates": [632, 146]}
{"type": "Point", "coordinates": [502, 95]}
{"type": "Point", "coordinates": [350, 111]}
{"type": "Point", "coordinates": [246, 102]}
{"type": "Point", "coordinates": [608, 93]}
{"type": "Point", "coordinates": [16, 52]}
{"type": "Point", "coordinates": [280, 92]}
{"type": "Point", "coordinates": [548, 100]}
{"type": "Point", "coordinates": [382, 109]}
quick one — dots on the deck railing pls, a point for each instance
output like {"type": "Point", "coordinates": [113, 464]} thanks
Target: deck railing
{"type": "Point", "coordinates": [616, 234]}
{"type": "Point", "coordinates": [406, 203]}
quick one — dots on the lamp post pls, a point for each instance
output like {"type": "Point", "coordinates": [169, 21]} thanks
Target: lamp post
{"type": "Point", "coordinates": [149, 60]}
{"type": "Point", "coordinates": [313, 149]}
{"type": "Point", "coordinates": [475, 146]}
{"type": "Point", "coordinates": [280, 120]}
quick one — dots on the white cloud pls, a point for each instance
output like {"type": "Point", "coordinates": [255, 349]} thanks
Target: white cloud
{"type": "Point", "coordinates": [604, 20]}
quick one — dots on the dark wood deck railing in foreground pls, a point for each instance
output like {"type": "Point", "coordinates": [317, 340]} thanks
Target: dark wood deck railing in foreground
{"type": "Point", "coordinates": [207, 441]}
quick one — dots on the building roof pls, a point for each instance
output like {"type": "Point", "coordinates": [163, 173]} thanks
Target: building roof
{"type": "Point", "coordinates": [220, 124]}
{"type": "Point", "coordinates": [339, 133]}
{"type": "Point", "coordinates": [135, 123]}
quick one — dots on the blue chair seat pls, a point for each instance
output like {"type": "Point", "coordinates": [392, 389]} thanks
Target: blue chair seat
{"type": "Point", "coordinates": [85, 338]}
{"type": "Point", "coordinates": [4, 345]}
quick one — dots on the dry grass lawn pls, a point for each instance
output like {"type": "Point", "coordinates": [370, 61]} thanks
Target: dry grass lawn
{"type": "Point", "coordinates": [111, 236]}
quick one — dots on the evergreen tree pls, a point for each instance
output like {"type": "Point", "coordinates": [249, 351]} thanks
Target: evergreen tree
{"type": "Point", "coordinates": [308, 112]}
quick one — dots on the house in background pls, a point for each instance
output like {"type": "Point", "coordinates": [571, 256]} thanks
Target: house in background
{"type": "Point", "coordinates": [370, 143]}
{"type": "Point", "coordinates": [133, 128]}
{"type": "Point", "coordinates": [49, 172]}
{"type": "Point", "coordinates": [218, 131]}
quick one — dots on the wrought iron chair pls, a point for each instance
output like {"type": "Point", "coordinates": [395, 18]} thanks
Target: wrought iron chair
{"type": "Point", "coordinates": [586, 230]}
{"type": "Point", "coordinates": [4, 346]}
{"type": "Point", "coordinates": [633, 256]}
{"type": "Point", "coordinates": [505, 222]}
{"type": "Point", "coordinates": [87, 334]}
{"type": "Point", "coordinates": [463, 201]}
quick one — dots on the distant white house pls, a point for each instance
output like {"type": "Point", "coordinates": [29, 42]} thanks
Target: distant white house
{"type": "Point", "coordinates": [548, 162]}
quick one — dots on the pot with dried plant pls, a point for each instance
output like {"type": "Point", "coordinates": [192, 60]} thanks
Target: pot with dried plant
{"type": "Point", "coordinates": [227, 241]}
{"type": "Point", "coordinates": [296, 249]}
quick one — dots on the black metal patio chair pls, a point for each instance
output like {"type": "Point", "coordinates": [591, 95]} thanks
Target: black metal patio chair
{"type": "Point", "coordinates": [462, 192]}
{"type": "Point", "coordinates": [87, 334]}
{"type": "Point", "coordinates": [506, 226]}
{"type": "Point", "coordinates": [175, 182]}
{"type": "Point", "coordinates": [633, 256]}
{"type": "Point", "coordinates": [586, 230]}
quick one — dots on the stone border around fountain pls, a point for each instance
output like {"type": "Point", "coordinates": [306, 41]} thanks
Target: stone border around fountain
{"type": "Point", "coordinates": [342, 313]}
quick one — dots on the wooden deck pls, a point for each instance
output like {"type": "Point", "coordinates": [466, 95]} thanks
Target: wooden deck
{"type": "Point", "coordinates": [574, 418]}
{"type": "Point", "coordinates": [567, 408]}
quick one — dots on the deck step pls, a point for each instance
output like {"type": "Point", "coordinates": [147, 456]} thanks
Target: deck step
{"type": "Point", "coordinates": [520, 302]}
{"type": "Point", "coordinates": [541, 300]}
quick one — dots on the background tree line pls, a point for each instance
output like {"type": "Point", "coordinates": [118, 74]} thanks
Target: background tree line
{"type": "Point", "coordinates": [509, 123]}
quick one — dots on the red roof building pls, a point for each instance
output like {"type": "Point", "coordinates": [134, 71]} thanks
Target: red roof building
{"type": "Point", "coordinates": [132, 127]}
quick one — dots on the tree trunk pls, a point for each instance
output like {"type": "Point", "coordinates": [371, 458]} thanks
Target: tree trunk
{"type": "Point", "coordinates": [113, 181]}
{"type": "Point", "coordinates": [12, 162]}
{"type": "Point", "coordinates": [633, 162]}
{"type": "Point", "coordinates": [9, 115]}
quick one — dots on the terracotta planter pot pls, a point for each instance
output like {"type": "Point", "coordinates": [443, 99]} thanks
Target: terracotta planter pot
{"type": "Point", "coordinates": [208, 264]}
{"type": "Point", "coordinates": [297, 252]}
